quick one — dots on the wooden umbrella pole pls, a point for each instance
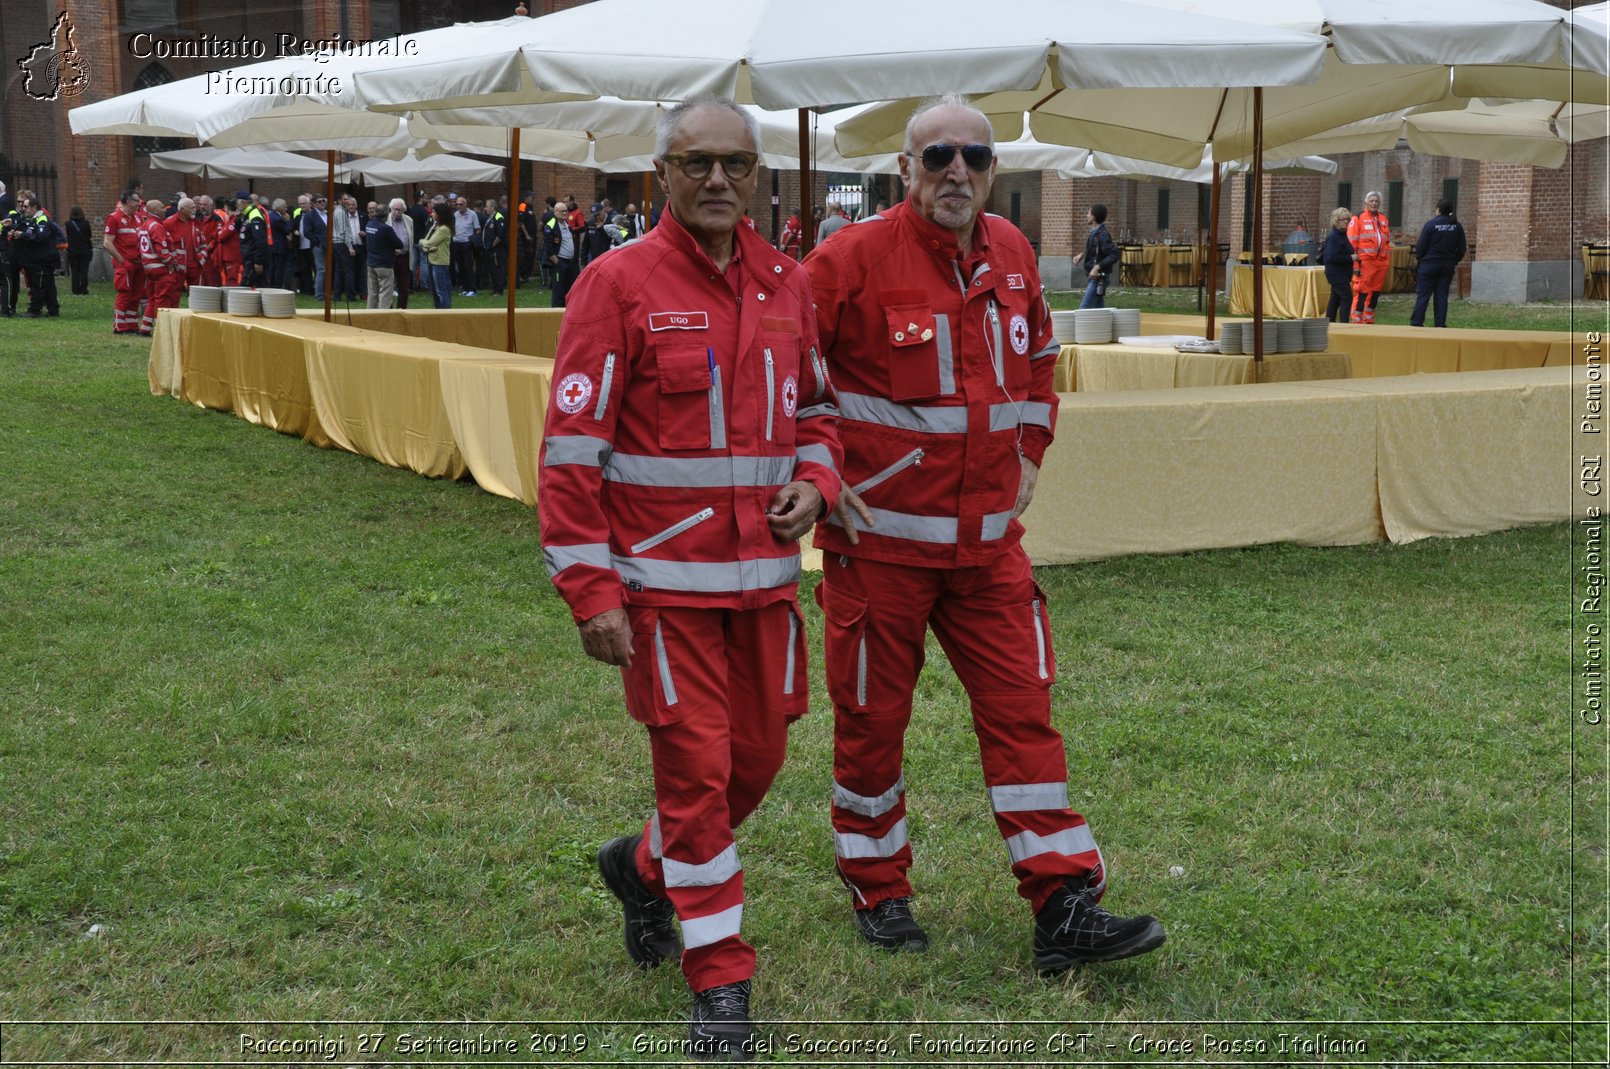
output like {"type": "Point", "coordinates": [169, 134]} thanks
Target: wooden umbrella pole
{"type": "Point", "coordinates": [511, 231]}
{"type": "Point", "coordinates": [1213, 250]}
{"type": "Point", "coordinates": [329, 230]}
{"type": "Point", "coordinates": [1257, 224]}
{"type": "Point", "coordinates": [807, 237]}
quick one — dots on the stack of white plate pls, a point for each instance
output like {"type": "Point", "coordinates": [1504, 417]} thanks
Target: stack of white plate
{"type": "Point", "coordinates": [1289, 335]}
{"type": "Point", "coordinates": [1125, 321]}
{"type": "Point", "coordinates": [1093, 326]}
{"type": "Point", "coordinates": [278, 304]}
{"type": "Point", "coordinates": [206, 299]}
{"type": "Point", "coordinates": [1316, 335]}
{"type": "Point", "coordinates": [244, 302]}
{"type": "Point", "coordinates": [1230, 337]}
{"type": "Point", "coordinates": [1271, 337]}
{"type": "Point", "coordinates": [1062, 326]}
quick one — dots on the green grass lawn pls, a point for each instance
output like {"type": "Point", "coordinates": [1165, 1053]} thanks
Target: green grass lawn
{"type": "Point", "coordinates": [312, 740]}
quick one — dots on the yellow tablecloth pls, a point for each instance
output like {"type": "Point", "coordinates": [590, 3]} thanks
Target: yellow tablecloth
{"type": "Point", "coordinates": [496, 408]}
{"type": "Point", "coordinates": [1380, 351]}
{"type": "Point", "coordinates": [1099, 368]}
{"type": "Point", "coordinates": [1399, 279]}
{"type": "Point", "coordinates": [1288, 292]}
{"type": "Point", "coordinates": [536, 330]}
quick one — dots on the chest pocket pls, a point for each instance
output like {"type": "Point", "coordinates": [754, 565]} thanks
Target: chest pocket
{"type": "Point", "coordinates": [921, 365]}
{"type": "Point", "coordinates": [690, 413]}
{"type": "Point", "coordinates": [779, 374]}
{"type": "Point", "coordinates": [1012, 339]}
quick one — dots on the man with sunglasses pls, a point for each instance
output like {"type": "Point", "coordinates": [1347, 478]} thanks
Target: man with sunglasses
{"type": "Point", "coordinates": [690, 442]}
{"type": "Point", "coordinates": [940, 347]}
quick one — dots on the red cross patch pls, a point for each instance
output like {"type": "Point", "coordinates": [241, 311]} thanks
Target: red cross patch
{"type": "Point", "coordinates": [573, 393]}
{"type": "Point", "coordinates": [790, 396]}
{"type": "Point", "coordinates": [1020, 335]}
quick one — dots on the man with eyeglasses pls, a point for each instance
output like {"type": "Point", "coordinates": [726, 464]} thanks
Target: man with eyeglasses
{"type": "Point", "coordinates": [690, 442]}
{"type": "Point", "coordinates": [939, 343]}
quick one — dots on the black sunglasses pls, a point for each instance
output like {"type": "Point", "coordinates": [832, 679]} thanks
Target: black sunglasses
{"type": "Point", "coordinates": [938, 157]}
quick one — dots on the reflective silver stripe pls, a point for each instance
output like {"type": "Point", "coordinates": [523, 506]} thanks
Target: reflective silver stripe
{"type": "Point", "coordinates": [1027, 797]}
{"type": "Point", "coordinates": [718, 415]}
{"type": "Point", "coordinates": [1026, 844]}
{"type": "Point", "coordinates": [667, 685]}
{"type": "Point", "coordinates": [771, 393]}
{"type": "Point", "coordinates": [815, 454]}
{"type": "Point", "coordinates": [913, 457]}
{"type": "Point", "coordinates": [705, 577]}
{"type": "Point", "coordinates": [961, 283]}
{"type": "Point", "coordinates": [860, 672]}
{"type": "Point", "coordinates": [850, 846]}
{"type": "Point", "coordinates": [636, 470]}
{"type": "Point", "coordinates": [675, 529]}
{"type": "Point", "coordinates": [702, 931]}
{"type": "Point", "coordinates": [947, 358]}
{"type": "Point", "coordinates": [1054, 349]}
{"type": "Point", "coordinates": [938, 529]}
{"type": "Point", "coordinates": [603, 391]}
{"type": "Point", "coordinates": [789, 665]}
{"type": "Point", "coordinates": [1004, 417]}
{"type": "Point", "coordinates": [656, 847]}
{"type": "Point", "coordinates": [821, 376]}
{"type": "Point", "coordinates": [994, 526]}
{"type": "Point", "coordinates": [868, 806]}
{"type": "Point", "coordinates": [558, 558]}
{"type": "Point", "coordinates": [980, 271]}
{"type": "Point", "coordinates": [826, 408]}
{"type": "Point", "coordinates": [576, 449]}
{"type": "Point", "coordinates": [713, 873]}
{"type": "Point", "coordinates": [864, 408]}
{"type": "Point", "coordinates": [1039, 636]}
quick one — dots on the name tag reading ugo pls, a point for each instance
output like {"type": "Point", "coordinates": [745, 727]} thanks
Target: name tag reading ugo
{"type": "Point", "coordinates": [678, 321]}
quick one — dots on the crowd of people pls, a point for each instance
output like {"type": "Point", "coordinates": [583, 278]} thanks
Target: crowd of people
{"type": "Point", "coordinates": [1357, 256]}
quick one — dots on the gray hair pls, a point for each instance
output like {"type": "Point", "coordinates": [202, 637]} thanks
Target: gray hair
{"type": "Point", "coordinates": [279, 204]}
{"type": "Point", "coordinates": [186, 202]}
{"type": "Point", "coordinates": [1376, 193]}
{"type": "Point", "coordinates": [666, 128]}
{"type": "Point", "coordinates": [398, 202]}
{"type": "Point", "coordinates": [944, 100]}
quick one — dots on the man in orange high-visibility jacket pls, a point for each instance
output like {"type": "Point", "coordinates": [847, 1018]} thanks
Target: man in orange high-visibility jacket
{"type": "Point", "coordinates": [1371, 235]}
{"type": "Point", "coordinates": [690, 442]}
{"type": "Point", "coordinates": [939, 344]}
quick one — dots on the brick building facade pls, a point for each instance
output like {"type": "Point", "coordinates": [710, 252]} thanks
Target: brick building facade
{"type": "Point", "coordinates": [1525, 222]}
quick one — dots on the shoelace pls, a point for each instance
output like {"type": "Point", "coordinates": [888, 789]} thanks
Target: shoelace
{"type": "Point", "coordinates": [728, 999]}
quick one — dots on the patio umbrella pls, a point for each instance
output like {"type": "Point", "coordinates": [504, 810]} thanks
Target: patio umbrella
{"type": "Point", "coordinates": [242, 163]}
{"type": "Point", "coordinates": [439, 167]}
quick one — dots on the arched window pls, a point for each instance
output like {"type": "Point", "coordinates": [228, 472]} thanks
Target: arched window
{"type": "Point", "coordinates": [153, 75]}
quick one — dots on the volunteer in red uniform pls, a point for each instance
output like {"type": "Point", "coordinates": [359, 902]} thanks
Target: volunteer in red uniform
{"type": "Point", "coordinates": [1371, 235]}
{"type": "Point", "coordinates": [157, 260]}
{"type": "Point", "coordinates": [207, 222]}
{"type": "Point", "coordinates": [226, 246]}
{"type": "Point", "coordinates": [122, 242]}
{"type": "Point", "coordinates": [176, 228]}
{"type": "Point", "coordinates": [690, 442]}
{"type": "Point", "coordinates": [940, 347]}
{"type": "Point", "coordinates": [186, 232]}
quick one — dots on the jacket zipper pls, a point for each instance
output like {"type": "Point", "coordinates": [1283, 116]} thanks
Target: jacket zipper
{"type": "Point", "coordinates": [674, 530]}
{"type": "Point", "coordinates": [860, 672]}
{"type": "Point", "coordinates": [603, 392]}
{"type": "Point", "coordinates": [771, 394]}
{"type": "Point", "coordinates": [1039, 636]}
{"type": "Point", "coordinates": [996, 355]}
{"type": "Point", "coordinates": [821, 376]}
{"type": "Point", "coordinates": [911, 458]}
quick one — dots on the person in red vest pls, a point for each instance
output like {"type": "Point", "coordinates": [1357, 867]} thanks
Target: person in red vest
{"type": "Point", "coordinates": [182, 235]}
{"type": "Point", "coordinates": [789, 242]}
{"type": "Point", "coordinates": [1371, 235]}
{"type": "Point", "coordinates": [122, 243]}
{"type": "Point", "coordinates": [207, 222]}
{"type": "Point", "coordinates": [226, 246]}
{"type": "Point", "coordinates": [162, 285]}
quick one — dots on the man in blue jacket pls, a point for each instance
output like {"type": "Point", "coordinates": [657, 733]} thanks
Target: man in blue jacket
{"type": "Point", "coordinates": [1100, 257]}
{"type": "Point", "coordinates": [1439, 250]}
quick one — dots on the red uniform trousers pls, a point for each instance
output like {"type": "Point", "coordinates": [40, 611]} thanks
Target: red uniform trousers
{"type": "Point", "coordinates": [716, 689]}
{"type": "Point", "coordinates": [128, 280]}
{"type": "Point", "coordinates": [154, 283]}
{"type": "Point", "coordinates": [993, 624]}
{"type": "Point", "coordinates": [1367, 286]}
{"type": "Point", "coordinates": [229, 271]}
{"type": "Point", "coordinates": [211, 275]}
{"type": "Point", "coordinates": [166, 289]}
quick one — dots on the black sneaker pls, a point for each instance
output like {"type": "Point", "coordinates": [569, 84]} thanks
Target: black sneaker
{"type": "Point", "coordinates": [1072, 928]}
{"type": "Point", "coordinates": [650, 920]}
{"type": "Point", "coordinates": [890, 925]}
{"type": "Point", "coordinates": [719, 1029]}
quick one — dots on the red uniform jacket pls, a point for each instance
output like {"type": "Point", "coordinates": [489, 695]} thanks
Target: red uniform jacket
{"type": "Point", "coordinates": [679, 408]}
{"type": "Point", "coordinates": [125, 231]}
{"type": "Point", "coordinates": [156, 250]}
{"type": "Point", "coordinates": [943, 367]}
{"type": "Point", "coordinates": [182, 236]}
{"type": "Point", "coordinates": [224, 239]}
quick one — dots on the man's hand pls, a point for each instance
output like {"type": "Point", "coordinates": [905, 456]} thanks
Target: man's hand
{"type": "Point", "coordinates": [848, 500]}
{"type": "Point", "coordinates": [607, 637]}
{"type": "Point", "coordinates": [794, 509]}
{"type": "Point", "coordinates": [1025, 486]}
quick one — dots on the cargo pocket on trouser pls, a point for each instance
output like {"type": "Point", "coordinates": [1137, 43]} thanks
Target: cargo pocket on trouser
{"type": "Point", "coordinates": [796, 689]}
{"type": "Point", "coordinates": [844, 646]}
{"type": "Point", "coordinates": [650, 683]}
{"type": "Point", "coordinates": [1045, 656]}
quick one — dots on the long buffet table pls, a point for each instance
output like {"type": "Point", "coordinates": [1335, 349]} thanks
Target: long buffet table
{"type": "Point", "coordinates": [1096, 368]}
{"type": "Point", "coordinates": [1191, 467]}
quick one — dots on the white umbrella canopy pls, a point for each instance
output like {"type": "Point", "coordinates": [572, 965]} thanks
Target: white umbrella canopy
{"type": "Point", "coordinates": [1535, 132]}
{"type": "Point", "coordinates": [244, 163]}
{"type": "Point", "coordinates": [771, 53]}
{"type": "Point", "coordinates": [1577, 77]}
{"type": "Point", "coordinates": [377, 171]}
{"type": "Point", "coordinates": [1105, 164]}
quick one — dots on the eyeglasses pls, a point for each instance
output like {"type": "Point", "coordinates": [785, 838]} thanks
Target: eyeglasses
{"type": "Point", "coordinates": [938, 157]}
{"type": "Point", "coordinates": [698, 165]}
